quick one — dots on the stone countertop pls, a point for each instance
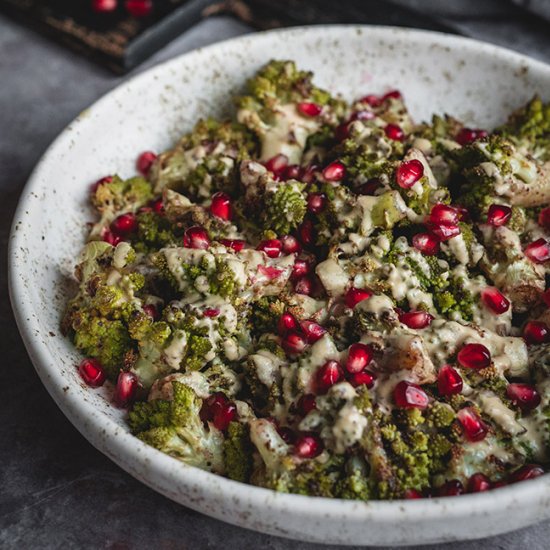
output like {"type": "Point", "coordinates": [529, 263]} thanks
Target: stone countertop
{"type": "Point", "coordinates": [57, 490]}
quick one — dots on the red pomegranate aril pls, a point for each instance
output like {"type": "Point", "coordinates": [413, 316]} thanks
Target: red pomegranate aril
{"type": "Point", "coordinates": [145, 161]}
{"type": "Point", "coordinates": [498, 484]}
{"type": "Point", "coordinates": [221, 206]}
{"type": "Point", "coordinates": [407, 395]}
{"type": "Point", "coordinates": [469, 135]}
{"type": "Point", "coordinates": [286, 323]}
{"type": "Point", "coordinates": [355, 295]}
{"type": "Point", "coordinates": [529, 471]}
{"type": "Point", "coordinates": [139, 8]}
{"type": "Point", "coordinates": [427, 243]}
{"type": "Point", "coordinates": [211, 312]}
{"type": "Point", "coordinates": [316, 202]}
{"type": "Point", "coordinates": [544, 218]}
{"type": "Point", "coordinates": [307, 233]}
{"type": "Point", "coordinates": [478, 483]}
{"type": "Point", "coordinates": [152, 311]}
{"type": "Point", "coordinates": [463, 213]}
{"type": "Point", "coordinates": [474, 356]}
{"type": "Point", "coordinates": [98, 183]}
{"type": "Point", "coordinates": [495, 300]}
{"type": "Point", "coordinates": [211, 404]}
{"type": "Point", "coordinates": [277, 164]}
{"type": "Point", "coordinates": [411, 494]}
{"type": "Point", "coordinates": [290, 245]}
{"type": "Point", "coordinates": [313, 331]}
{"type": "Point", "coordinates": [104, 6]}
{"type": "Point", "coordinates": [111, 238]}
{"type": "Point", "coordinates": [498, 214]}
{"type": "Point", "coordinates": [158, 206]}
{"type": "Point", "coordinates": [394, 132]}
{"type": "Point", "coordinates": [287, 435]}
{"type": "Point", "coordinates": [92, 372]}
{"type": "Point", "coordinates": [294, 343]}
{"type": "Point", "coordinates": [308, 446]}
{"type": "Point", "coordinates": [342, 131]}
{"type": "Point", "coordinates": [236, 244]}
{"type": "Point", "coordinates": [223, 415]}
{"type": "Point", "coordinates": [473, 427]}
{"type": "Point", "coordinates": [525, 396]}
{"type": "Point", "coordinates": [125, 390]}
{"type": "Point", "coordinates": [196, 237]}
{"type": "Point", "coordinates": [444, 214]}
{"type": "Point", "coordinates": [359, 356]}
{"type": "Point", "coordinates": [449, 381]}
{"type": "Point", "coordinates": [364, 378]}
{"type": "Point", "coordinates": [394, 94]}
{"type": "Point", "coordinates": [546, 297]}
{"type": "Point", "coordinates": [408, 173]}
{"type": "Point", "coordinates": [335, 171]}
{"type": "Point", "coordinates": [536, 332]}
{"type": "Point", "coordinates": [416, 319]}
{"type": "Point", "coordinates": [308, 108]}
{"type": "Point", "coordinates": [451, 488]}
{"type": "Point", "coordinates": [372, 100]}
{"type": "Point", "coordinates": [300, 268]}
{"type": "Point", "coordinates": [306, 404]}
{"type": "Point", "coordinates": [369, 187]}
{"type": "Point", "coordinates": [444, 232]}
{"type": "Point", "coordinates": [304, 286]}
{"type": "Point", "coordinates": [124, 224]}
{"type": "Point", "coordinates": [292, 172]}
{"type": "Point", "coordinates": [538, 251]}
{"type": "Point", "coordinates": [329, 374]}
{"type": "Point", "coordinates": [272, 247]}
{"type": "Point", "coordinates": [307, 174]}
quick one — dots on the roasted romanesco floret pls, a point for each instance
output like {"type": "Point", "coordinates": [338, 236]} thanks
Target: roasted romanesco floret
{"type": "Point", "coordinates": [285, 208]}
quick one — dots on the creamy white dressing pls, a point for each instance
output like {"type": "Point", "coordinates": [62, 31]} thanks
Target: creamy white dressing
{"type": "Point", "coordinates": [491, 405]}
{"type": "Point", "coordinates": [175, 351]}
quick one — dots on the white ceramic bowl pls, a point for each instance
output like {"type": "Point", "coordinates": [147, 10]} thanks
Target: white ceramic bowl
{"type": "Point", "coordinates": [437, 73]}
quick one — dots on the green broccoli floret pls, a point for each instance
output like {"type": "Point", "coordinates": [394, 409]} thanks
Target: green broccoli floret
{"type": "Point", "coordinates": [238, 451]}
{"type": "Point", "coordinates": [197, 347]}
{"type": "Point", "coordinates": [154, 232]}
{"type": "Point", "coordinates": [529, 128]}
{"type": "Point", "coordinates": [355, 485]}
{"type": "Point", "coordinates": [455, 299]}
{"type": "Point", "coordinates": [175, 427]}
{"type": "Point", "coordinates": [440, 415]}
{"type": "Point", "coordinates": [223, 281]}
{"type": "Point", "coordinates": [264, 314]}
{"type": "Point", "coordinates": [285, 208]}
{"type": "Point", "coordinates": [121, 195]}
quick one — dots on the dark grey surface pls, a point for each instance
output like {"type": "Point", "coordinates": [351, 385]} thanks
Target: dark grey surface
{"type": "Point", "coordinates": [57, 491]}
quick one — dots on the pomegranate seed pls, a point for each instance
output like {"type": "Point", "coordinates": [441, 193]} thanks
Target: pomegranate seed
{"type": "Point", "coordinates": [427, 243]}
{"type": "Point", "coordinates": [145, 161]}
{"type": "Point", "coordinates": [410, 396]}
{"type": "Point", "coordinates": [306, 403]}
{"type": "Point", "coordinates": [236, 244]}
{"type": "Point", "coordinates": [525, 396]}
{"type": "Point", "coordinates": [474, 428]}
{"type": "Point", "coordinates": [290, 245]}
{"type": "Point", "coordinates": [307, 233]}
{"type": "Point", "coordinates": [359, 356]}
{"type": "Point", "coordinates": [329, 374]}
{"type": "Point", "coordinates": [478, 483]}
{"type": "Point", "coordinates": [364, 378]}
{"type": "Point", "coordinates": [103, 181]}
{"type": "Point", "coordinates": [474, 356]}
{"type": "Point", "coordinates": [449, 382]}
{"type": "Point", "coordinates": [451, 488]}
{"type": "Point", "coordinates": [416, 319]}
{"type": "Point", "coordinates": [224, 415]}
{"type": "Point", "coordinates": [292, 172]}
{"type": "Point", "coordinates": [335, 171]}
{"type": "Point", "coordinates": [158, 206]}
{"type": "Point", "coordinates": [546, 297]}
{"type": "Point", "coordinates": [111, 238]}
{"type": "Point", "coordinates": [272, 247]}
{"type": "Point", "coordinates": [294, 343]}
{"type": "Point", "coordinates": [444, 214]}
{"type": "Point", "coordinates": [221, 206]}
{"type": "Point", "coordinates": [286, 323]}
{"type": "Point", "coordinates": [498, 215]}
{"type": "Point", "coordinates": [536, 332]}
{"type": "Point", "coordinates": [214, 402]}
{"type": "Point", "coordinates": [307, 108]}
{"type": "Point", "coordinates": [312, 330]}
{"type": "Point", "coordinates": [300, 268]}
{"type": "Point", "coordinates": [316, 202]}
{"type": "Point", "coordinates": [287, 435]}
{"type": "Point", "coordinates": [394, 132]}
{"type": "Point", "coordinates": [395, 94]}
{"type": "Point", "coordinates": [469, 135]}
{"type": "Point", "coordinates": [410, 494]}
{"type": "Point", "coordinates": [372, 100]}
{"type": "Point", "coordinates": [304, 286]}
{"type": "Point", "coordinates": [125, 390]}
{"type": "Point", "coordinates": [196, 237]}
{"type": "Point", "coordinates": [342, 131]}
{"type": "Point", "coordinates": [495, 300]}
{"type": "Point", "coordinates": [277, 164]}
{"type": "Point", "coordinates": [369, 187]}
{"type": "Point", "coordinates": [544, 218]}
{"type": "Point", "coordinates": [92, 372]}
{"type": "Point", "coordinates": [408, 173]}
{"type": "Point", "coordinates": [444, 232]}
{"type": "Point", "coordinates": [211, 312]}
{"type": "Point", "coordinates": [308, 446]}
{"type": "Point", "coordinates": [538, 251]}
{"type": "Point", "coordinates": [362, 115]}
{"type": "Point", "coordinates": [124, 224]}
{"type": "Point", "coordinates": [270, 272]}
{"type": "Point", "coordinates": [139, 8]}
{"type": "Point", "coordinates": [104, 6]}
{"type": "Point", "coordinates": [355, 295]}
{"type": "Point", "coordinates": [529, 471]}
{"type": "Point", "coordinates": [308, 173]}
{"type": "Point", "coordinates": [151, 311]}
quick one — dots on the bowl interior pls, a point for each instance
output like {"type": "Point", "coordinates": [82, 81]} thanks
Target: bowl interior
{"type": "Point", "coordinates": [436, 74]}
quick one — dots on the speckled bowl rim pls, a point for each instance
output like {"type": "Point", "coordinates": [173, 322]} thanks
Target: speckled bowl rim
{"type": "Point", "coordinates": [118, 443]}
